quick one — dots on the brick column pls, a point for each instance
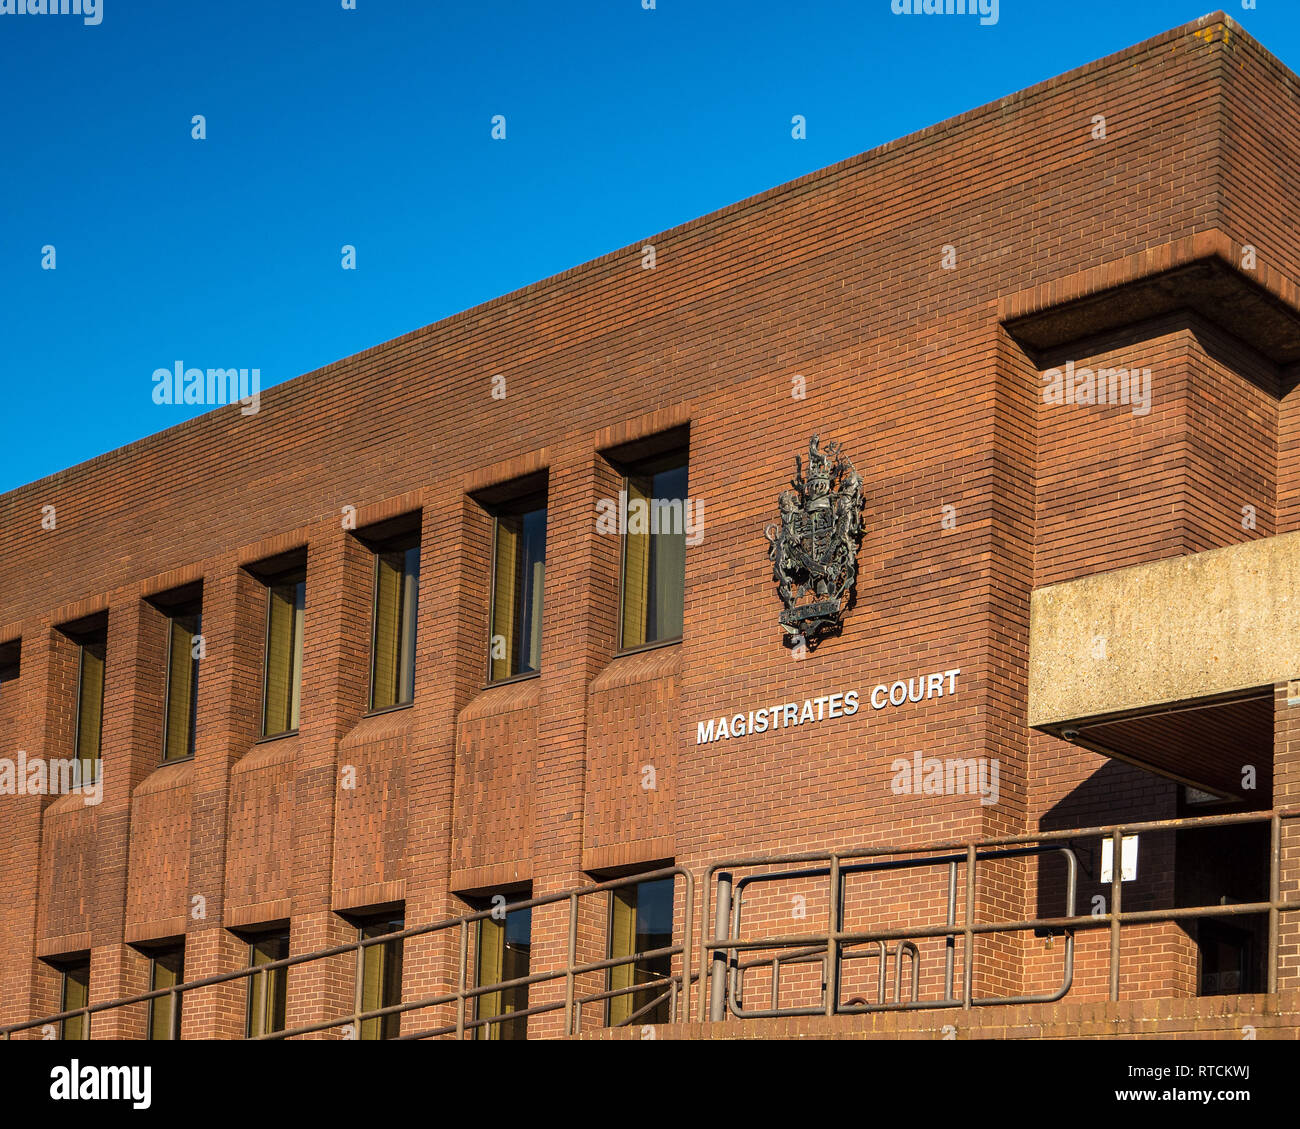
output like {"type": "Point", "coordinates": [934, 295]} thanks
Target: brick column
{"type": "Point", "coordinates": [449, 672]}
{"type": "Point", "coordinates": [1003, 525]}
{"type": "Point", "coordinates": [228, 712]}
{"type": "Point", "coordinates": [334, 684]}
{"type": "Point", "coordinates": [573, 651]}
{"type": "Point", "coordinates": [28, 987]}
{"type": "Point", "coordinates": [132, 749]}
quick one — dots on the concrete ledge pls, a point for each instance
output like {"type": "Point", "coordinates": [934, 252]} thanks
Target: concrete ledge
{"type": "Point", "coordinates": [1199, 272]}
{"type": "Point", "coordinates": [1171, 631]}
{"type": "Point", "coordinates": [1272, 1017]}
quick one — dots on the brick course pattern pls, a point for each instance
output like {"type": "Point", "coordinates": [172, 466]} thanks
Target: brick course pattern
{"type": "Point", "coordinates": [975, 492]}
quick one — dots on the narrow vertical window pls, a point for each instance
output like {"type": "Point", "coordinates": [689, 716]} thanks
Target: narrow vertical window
{"type": "Point", "coordinates": [641, 921]}
{"type": "Point", "coordinates": [654, 551]}
{"type": "Point", "coordinates": [75, 993]}
{"type": "Point", "coordinates": [285, 607]}
{"type": "Point", "coordinates": [518, 577]}
{"type": "Point", "coordinates": [267, 991]}
{"type": "Point", "coordinates": [504, 945]}
{"type": "Point", "coordinates": [166, 970]}
{"type": "Point", "coordinates": [10, 654]}
{"type": "Point", "coordinates": [90, 706]}
{"type": "Point", "coordinates": [183, 628]}
{"type": "Point", "coordinates": [397, 583]}
{"type": "Point", "coordinates": [381, 977]}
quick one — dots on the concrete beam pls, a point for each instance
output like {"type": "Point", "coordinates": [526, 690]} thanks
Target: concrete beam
{"type": "Point", "coordinates": [1173, 630]}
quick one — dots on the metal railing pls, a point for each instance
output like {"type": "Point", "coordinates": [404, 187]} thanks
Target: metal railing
{"type": "Point", "coordinates": [722, 969]}
{"type": "Point", "coordinates": [730, 904]}
{"type": "Point", "coordinates": [815, 954]}
{"type": "Point", "coordinates": [676, 987]}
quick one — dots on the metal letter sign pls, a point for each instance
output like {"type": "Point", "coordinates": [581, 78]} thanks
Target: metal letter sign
{"type": "Point", "coordinates": [814, 553]}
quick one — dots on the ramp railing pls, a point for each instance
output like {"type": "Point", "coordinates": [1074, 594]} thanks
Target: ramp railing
{"type": "Point", "coordinates": [674, 988]}
{"type": "Point", "coordinates": [727, 954]}
{"type": "Point", "coordinates": [723, 942]}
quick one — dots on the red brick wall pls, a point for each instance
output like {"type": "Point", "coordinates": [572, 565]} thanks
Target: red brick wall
{"type": "Point", "coordinates": [835, 278]}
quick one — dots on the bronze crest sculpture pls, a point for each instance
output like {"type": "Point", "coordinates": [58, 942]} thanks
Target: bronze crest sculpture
{"type": "Point", "coordinates": [814, 551]}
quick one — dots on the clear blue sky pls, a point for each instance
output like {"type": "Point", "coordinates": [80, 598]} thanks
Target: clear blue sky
{"type": "Point", "coordinates": [372, 127]}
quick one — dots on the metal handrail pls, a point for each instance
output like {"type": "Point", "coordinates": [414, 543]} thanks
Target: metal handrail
{"type": "Point", "coordinates": [844, 871]}
{"type": "Point", "coordinates": [463, 993]}
{"type": "Point", "coordinates": [719, 950]}
{"type": "Point", "coordinates": [720, 966]}
{"type": "Point", "coordinates": [816, 954]}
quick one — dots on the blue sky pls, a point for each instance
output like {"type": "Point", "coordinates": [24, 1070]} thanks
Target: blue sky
{"type": "Point", "coordinates": [371, 127]}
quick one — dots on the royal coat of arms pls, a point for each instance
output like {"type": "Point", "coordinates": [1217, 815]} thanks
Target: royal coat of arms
{"type": "Point", "coordinates": [814, 551]}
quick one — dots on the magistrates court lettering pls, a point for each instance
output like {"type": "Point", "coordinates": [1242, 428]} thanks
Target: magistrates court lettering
{"type": "Point", "coordinates": [844, 703]}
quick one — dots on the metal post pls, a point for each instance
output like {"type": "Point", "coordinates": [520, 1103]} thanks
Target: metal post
{"type": "Point", "coordinates": [568, 972]}
{"type": "Point", "coordinates": [951, 940]}
{"type": "Point", "coordinates": [1274, 897]}
{"type": "Point", "coordinates": [832, 985]}
{"type": "Point", "coordinates": [358, 989]}
{"type": "Point", "coordinates": [1116, 877]}
{"type": "Point", "coordinates": [721, 932]}
{"type": "Point", "coordinates": [688, 925]}
{"type": "Point", "coordinates": [968, 942]}
{"type": "Point", "coordinates": [460, 995]}
{"type": "Point", "coordinates": [174, 1020]}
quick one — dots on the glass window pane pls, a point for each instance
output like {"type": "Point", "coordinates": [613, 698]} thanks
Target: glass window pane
{"type": "Point", "coordinates": [491, 937]}
{"type": "Point", "coordinates": [667, 568]}
{"type": "Point", "coordinates": [641, 920]}
{"type": "Point", "coordinates": [182, 687]}
{"type": "Point", "coordinates": [519, 574]}
{"type": "Point", "coordinates": [504, 604]}
{"type": "Point", "coordinates": [76, 993]}
{"type": "Point", "coordinates": [504, 952]}
{"type": "Point", "coordinates": [532, 581]}
{"type": "Point", "coordinates": [10, 655]}
{"type": "Point", "coordinates": [388, 589]}
{"type": "Point", "coordinates": [410, 601]}
{"type": "Point", "coordinates": [166, 970]}
{"type": "Point", "coordinates": [397, 583]}
{"type": "Point", "coordinates": [636, 563]}
{"type": "Point", "coordinates": [90, 709]}
{"type": "Point", "coordinates": [267, 991]}
{"type": "Point", "coordinates": [284, 618]}
{"type": "Point", "coordinates": [654, 553]}
{"type": "Point", "coordinates": [295, 675]}
{"type": "Point", "coordinates": [622, 943]}
{"type": "Point", "coordinates": [381, 978]}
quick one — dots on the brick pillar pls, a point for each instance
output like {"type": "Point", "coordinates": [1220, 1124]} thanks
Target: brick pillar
{"type": "Point", "coordinates": [28, 987]}
{"type": "Point", "coordinates": [574, 647]}
{"type": "Point", "coordinates": [334, 687]}
{"type": "Point", "coordinates": [320, 989]}
{"type": "Point", "coordinates": [228, 714]}
{"type": "Point", "coordinates": [134, 681]}
{"type": "Point", "coordinates": [449, 672]}
{"type": "Point", "coordinates": [334, 696]}
{"type": "Point", "coordinates": [1002, 530]}
{"type": "Point", "coordinates": [117, 970]}
{"type": "Point", "coordinates": [219, 1012]}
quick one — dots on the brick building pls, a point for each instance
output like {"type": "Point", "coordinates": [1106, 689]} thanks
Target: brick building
{"type": "Point", "coordinates": [386, 652]}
